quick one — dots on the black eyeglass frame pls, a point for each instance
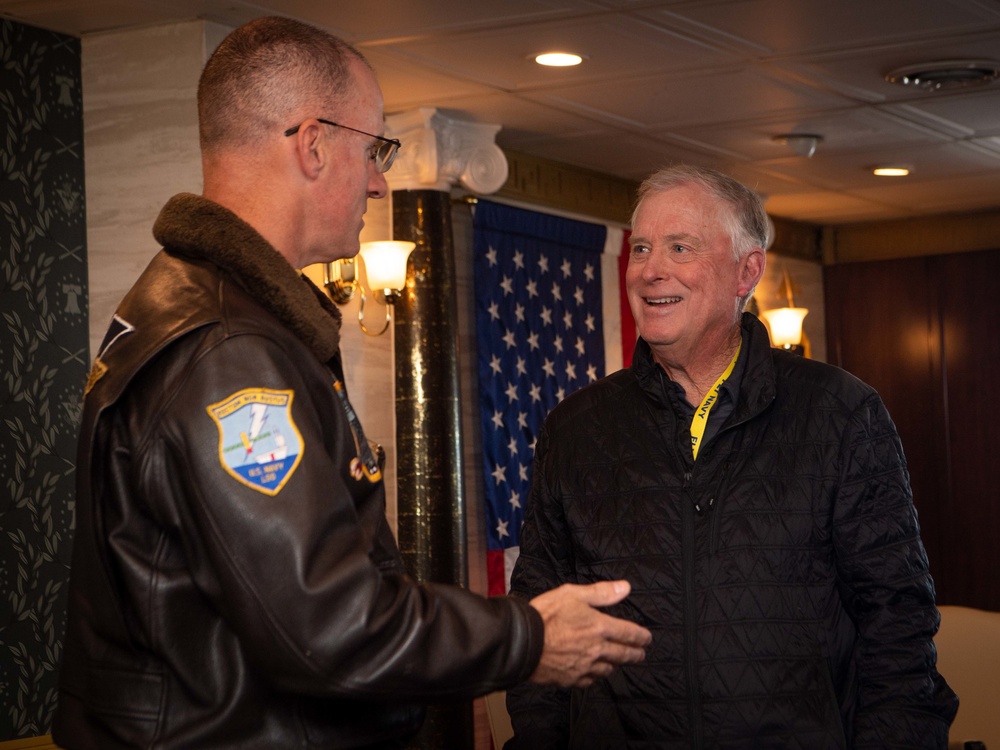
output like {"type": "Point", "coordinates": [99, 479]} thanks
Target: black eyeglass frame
{"type": "Point", "coordinates": [383, 161]}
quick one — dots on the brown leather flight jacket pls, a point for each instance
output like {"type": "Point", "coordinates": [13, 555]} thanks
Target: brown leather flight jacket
{"type": "Point", "coordinates": [264, 605]}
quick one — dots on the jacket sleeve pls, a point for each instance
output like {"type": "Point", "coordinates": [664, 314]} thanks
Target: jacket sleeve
{"type": "Point", "coordinates": [540, 715]}
{"type": "Point", "coordinates": [903, 702]}
{"type": "Point", "coordinates": [302, 575]}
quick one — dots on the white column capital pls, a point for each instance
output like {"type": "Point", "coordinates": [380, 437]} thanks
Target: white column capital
{"type": "Point", "coordinates": [439, 151]}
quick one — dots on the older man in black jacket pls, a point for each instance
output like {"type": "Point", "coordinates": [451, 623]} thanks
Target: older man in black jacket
{"type": "Point", "coordinates": [757, 501]}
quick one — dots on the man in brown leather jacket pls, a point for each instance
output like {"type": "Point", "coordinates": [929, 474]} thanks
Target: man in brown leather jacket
{"type": "Point", "coordinates": [235, 582]}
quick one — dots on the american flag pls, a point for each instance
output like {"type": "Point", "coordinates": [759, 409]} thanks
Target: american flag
{"type": "Point", "coordinates": [540, 332]}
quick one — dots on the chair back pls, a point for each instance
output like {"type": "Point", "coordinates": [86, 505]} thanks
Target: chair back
{"type": "Point", "coordinates": [968, 646]}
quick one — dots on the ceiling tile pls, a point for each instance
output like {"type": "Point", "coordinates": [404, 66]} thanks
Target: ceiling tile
{"type": "Point", "coordinates": [790, 27]}
{"type": "Point", "coordinates": [700, 81]}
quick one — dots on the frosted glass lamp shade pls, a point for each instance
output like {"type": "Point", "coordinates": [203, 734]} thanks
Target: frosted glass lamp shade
{"type": "Point", "coordinates": [786, 325]}
{"type": "Point", "coordinates": [385, 263]}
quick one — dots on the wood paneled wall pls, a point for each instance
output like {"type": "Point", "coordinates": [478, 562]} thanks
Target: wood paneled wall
{"type": "Point", "coordinates": [923, 331]}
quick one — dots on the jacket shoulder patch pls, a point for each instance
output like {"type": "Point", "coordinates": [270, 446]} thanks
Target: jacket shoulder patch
{"type": "Point", "coordinates": [259, 444]}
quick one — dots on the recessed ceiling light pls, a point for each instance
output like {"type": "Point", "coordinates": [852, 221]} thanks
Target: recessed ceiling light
{"type": "Point", "coordinates": [558, 59]}
{"type": "Point", "coordinates": [946, 74]}
{"type": "Point", "coordinates": [891, 171]}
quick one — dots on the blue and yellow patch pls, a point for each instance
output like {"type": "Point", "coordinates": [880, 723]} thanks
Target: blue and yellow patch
{"type": "Point", "coordinates": [259, 444]}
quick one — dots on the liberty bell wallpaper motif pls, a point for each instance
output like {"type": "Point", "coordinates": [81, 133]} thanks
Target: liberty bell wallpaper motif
{"type": "Point", "coordinates": [44, 358]}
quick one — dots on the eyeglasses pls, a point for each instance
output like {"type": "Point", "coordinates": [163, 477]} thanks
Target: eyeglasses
{"type": "Point", "coordinates": [383, 153]}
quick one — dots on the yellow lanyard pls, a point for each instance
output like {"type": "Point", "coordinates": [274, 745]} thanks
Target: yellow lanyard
{"type": "Point", "coordinates": [700, 419]}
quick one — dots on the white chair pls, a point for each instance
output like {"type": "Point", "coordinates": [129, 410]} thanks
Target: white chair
{"type": "Point", "coordinates": [968, 646]}
{"type": "Point", "coordinates": [496, 710]}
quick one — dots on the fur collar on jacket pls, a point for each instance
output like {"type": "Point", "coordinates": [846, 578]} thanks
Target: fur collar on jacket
{"type": "Point", "coordinates": [195, 227]}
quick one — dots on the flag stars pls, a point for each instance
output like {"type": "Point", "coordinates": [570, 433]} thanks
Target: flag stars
{"type": "Point", "coordinates": [511, 391]}
{"type": "Point", "coordinates": [538, 323]}
{"type": "Point", "coordinates": [499, 474]}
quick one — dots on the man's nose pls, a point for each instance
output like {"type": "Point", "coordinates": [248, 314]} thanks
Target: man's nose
{"type": "Point", "coordinates": [657, 266]}
{"type": "Point", "coordinates": [377, 185]}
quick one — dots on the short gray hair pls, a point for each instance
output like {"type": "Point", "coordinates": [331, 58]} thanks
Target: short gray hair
{"type": "Point", "coordinates": [265, 72]}
{"type": "Point", "coordinates": [746, 223]}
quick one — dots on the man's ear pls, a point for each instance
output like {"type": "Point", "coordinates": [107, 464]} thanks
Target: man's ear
{"type": "Point", "coordinates": [751, 271]}
{"type": "Point", "coordinates": [310, 149]}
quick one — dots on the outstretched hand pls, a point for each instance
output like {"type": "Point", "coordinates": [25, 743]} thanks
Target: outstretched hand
{"type": "Point", "coordinates": [581, 643]}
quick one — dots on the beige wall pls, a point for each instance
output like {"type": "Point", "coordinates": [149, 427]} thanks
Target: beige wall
{"type": "Point", "coordinates": [140, 146]}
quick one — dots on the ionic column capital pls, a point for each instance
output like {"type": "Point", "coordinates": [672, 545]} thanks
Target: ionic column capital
{"type": "Point", "coordinates": [439, 150]}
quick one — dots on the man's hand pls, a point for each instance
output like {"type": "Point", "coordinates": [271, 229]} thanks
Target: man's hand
{"type": "Point", "coordinates": [582, 644]}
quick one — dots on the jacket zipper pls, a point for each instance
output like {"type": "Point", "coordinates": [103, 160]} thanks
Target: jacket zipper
{"type": "Point", "coordinates": [690, 624]}
{"type": "Point", "coordinates": [722, 488]}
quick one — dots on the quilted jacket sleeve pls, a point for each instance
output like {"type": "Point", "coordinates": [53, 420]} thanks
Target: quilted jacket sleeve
{"type": "Point", "coordinates": [903, 702]}
{"type": "Point", "coordinates": [540, 714]}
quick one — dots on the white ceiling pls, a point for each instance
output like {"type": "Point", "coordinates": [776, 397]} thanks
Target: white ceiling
{"type": "Point", "coordinates": [699, 81]}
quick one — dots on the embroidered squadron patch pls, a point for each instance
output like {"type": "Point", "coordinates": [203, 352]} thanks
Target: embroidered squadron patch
{"type": "Point", "coordinates": [259, 444]}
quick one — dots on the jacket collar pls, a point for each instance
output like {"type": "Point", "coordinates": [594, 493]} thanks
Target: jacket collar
{"type": "Point", "coordinates": [195, 227]}
{"type": "Point", "coordinates": [757, 387]}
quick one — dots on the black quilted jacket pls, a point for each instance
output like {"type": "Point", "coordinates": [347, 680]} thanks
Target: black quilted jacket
{"type": "Point", "coordinates": [782, 575]}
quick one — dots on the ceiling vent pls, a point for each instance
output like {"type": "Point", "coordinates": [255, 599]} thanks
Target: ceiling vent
{"type": "Point", "coordinates": [946, 75]}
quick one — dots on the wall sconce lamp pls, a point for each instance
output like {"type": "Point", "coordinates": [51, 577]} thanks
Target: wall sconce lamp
{"type": "Point", "coordinates": [385, 264]}
{"type": "Point", "coordinates": [786, 322]}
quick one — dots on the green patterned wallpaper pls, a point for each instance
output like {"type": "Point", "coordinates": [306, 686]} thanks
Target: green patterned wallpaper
{"type": "Point", "coordinates": [43, 359]}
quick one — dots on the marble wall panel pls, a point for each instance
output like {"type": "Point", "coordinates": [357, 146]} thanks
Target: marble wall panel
{"type": "Point", "coordinates": [141, 141]}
